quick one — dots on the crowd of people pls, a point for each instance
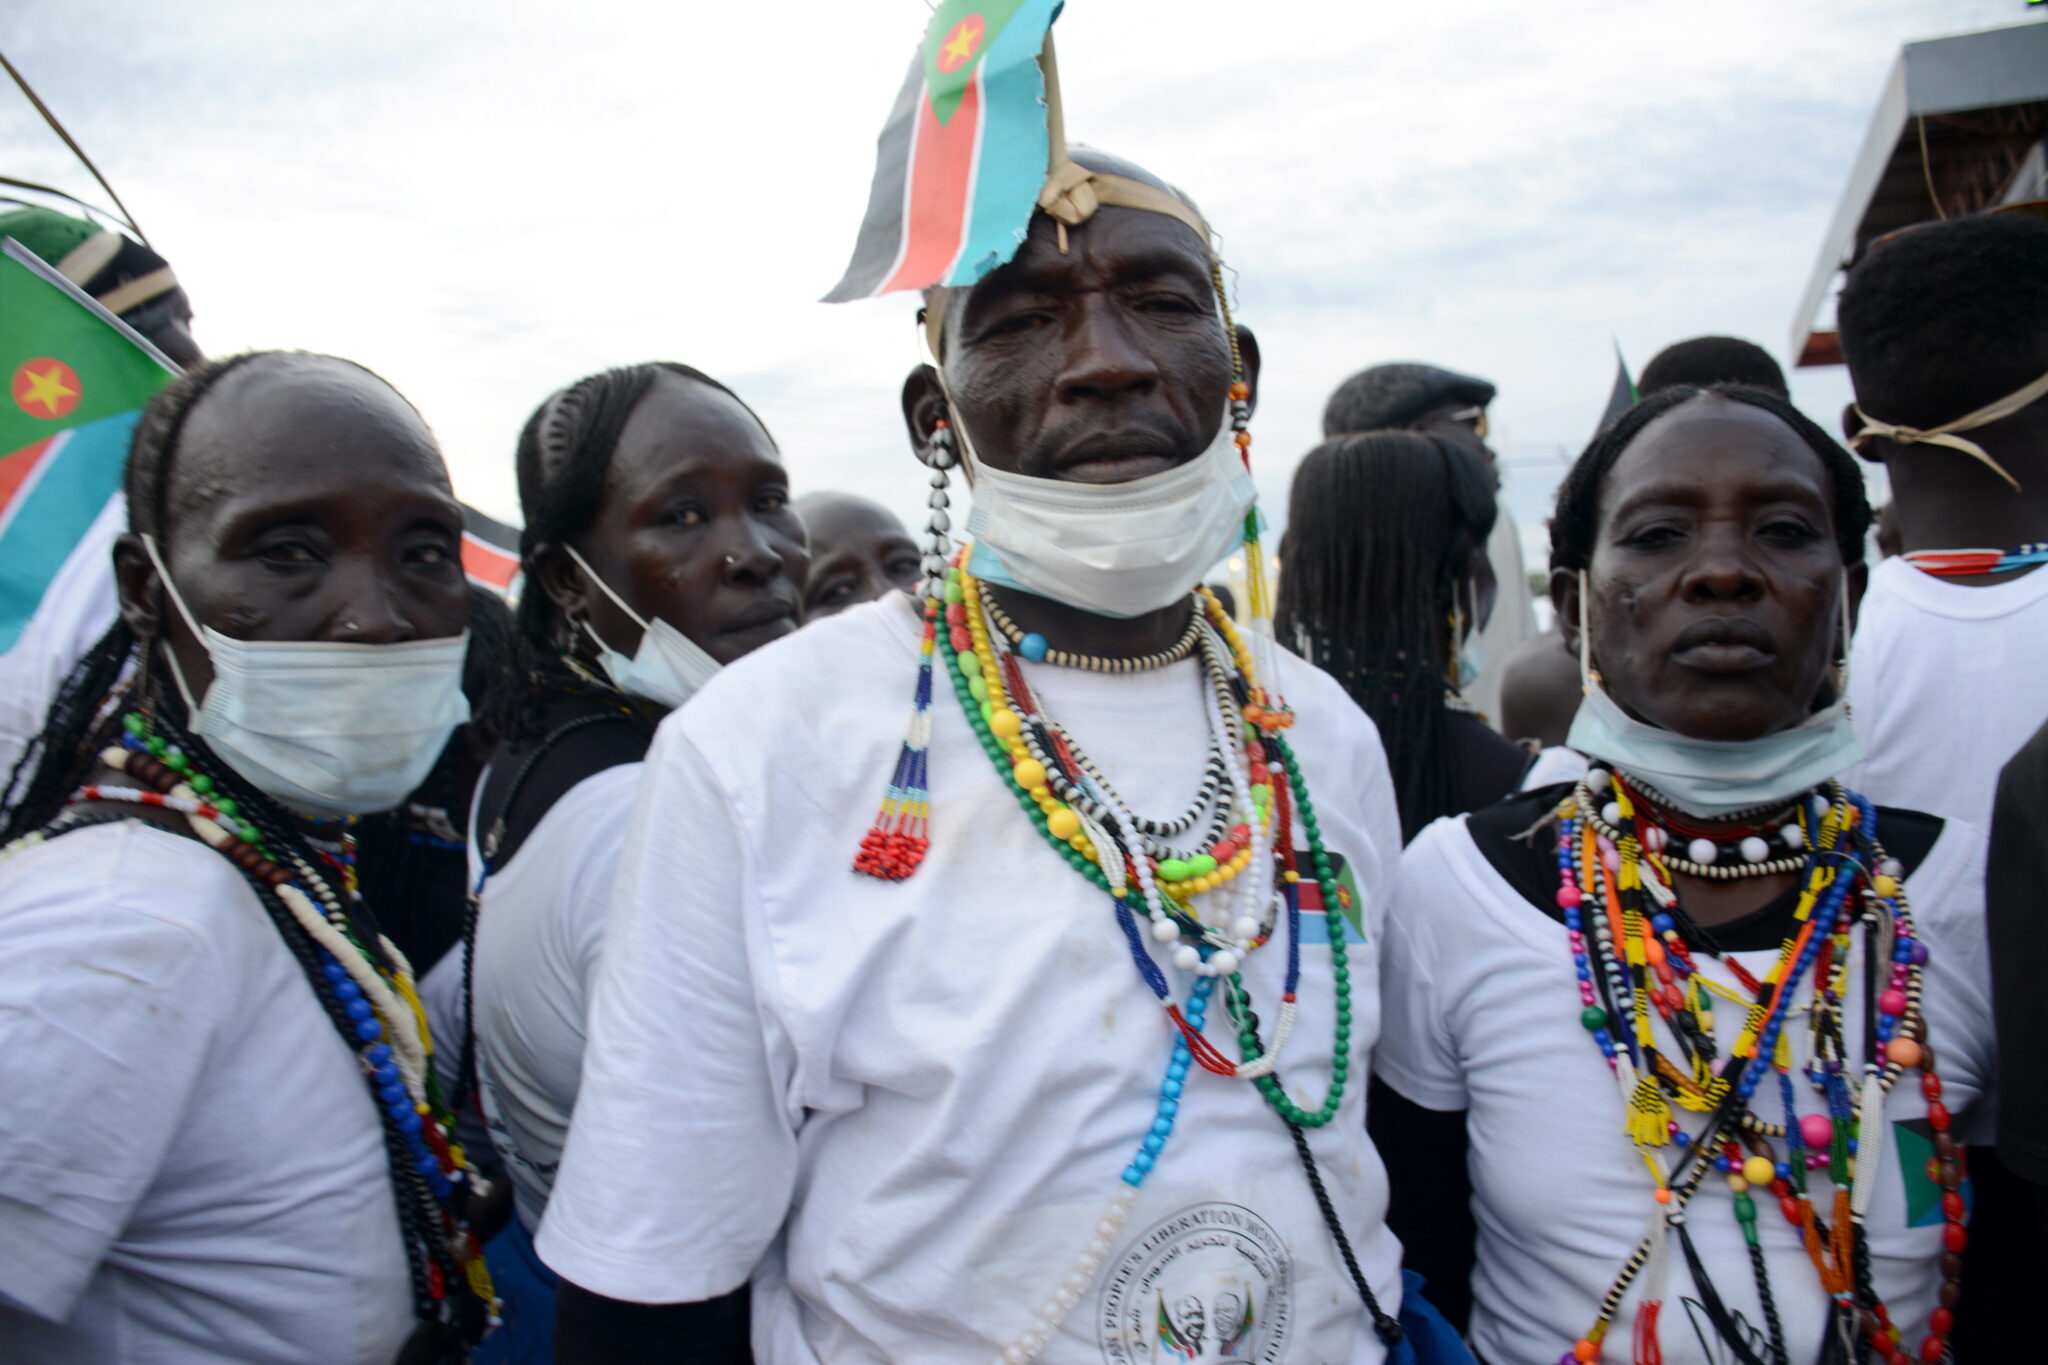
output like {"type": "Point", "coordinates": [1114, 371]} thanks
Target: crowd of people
{"type": "Point", "coordinates": [389, 972]}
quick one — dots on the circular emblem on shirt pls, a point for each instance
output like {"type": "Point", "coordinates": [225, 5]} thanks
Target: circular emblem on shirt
{"type": "Point", "coordinates": [1212, 1282]}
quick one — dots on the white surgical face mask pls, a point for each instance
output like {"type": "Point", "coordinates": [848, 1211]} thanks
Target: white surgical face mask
{"type": "Point", "coordinates": [328, 729]}
{"type": "Point", "coordinates": [1712, 777]}
{"type": "Point", "coordinates": [1121, 549]}
{"type": "Point", "coordinates": [668, 668]}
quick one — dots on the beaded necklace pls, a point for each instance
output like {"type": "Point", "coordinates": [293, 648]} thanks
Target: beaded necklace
{"type": "Point", "coordinates": [1637, 960]}
{"type": "Point", "coordinates": [1033, 646]}
{"type": "Point", "coordinates": [365, 984]}
{"type": "Point", "coordinates": [1208, 942]}
{"type": "Point", "coordinates": [1967, 563]}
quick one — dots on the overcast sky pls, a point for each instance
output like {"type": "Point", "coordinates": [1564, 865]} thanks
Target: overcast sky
{"type": "Point", "coordinates": [483, 201]}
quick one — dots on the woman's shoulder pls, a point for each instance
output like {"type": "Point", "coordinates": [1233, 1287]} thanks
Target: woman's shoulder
{"type": "Point", "coordinates": [126, 881]}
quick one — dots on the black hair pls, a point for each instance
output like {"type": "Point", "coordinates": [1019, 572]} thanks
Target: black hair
{"type": "Point", "coordinates": [1394, 395]}
{"type": "Point", "coordinates": [80, 719]}
{"type": "Point", "coordinates": [1947, 317]}
{"type": "Point", "coordinates": [564, 453]}
{"type": "Point", "coordinates": [1575, 527]}
{"type": "Point", "coordinates": [1702, 361]}
{"type": "Point", "coordinates": [1383, 529]}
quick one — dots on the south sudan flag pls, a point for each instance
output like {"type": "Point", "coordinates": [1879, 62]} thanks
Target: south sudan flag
{"type": "Point", "coordinates": [77, 380]}
{"type": "Point", "coordinates": [959, 165]}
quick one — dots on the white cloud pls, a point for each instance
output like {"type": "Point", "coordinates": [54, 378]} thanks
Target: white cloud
{"type": "Point", "coordinates": [483, 202]}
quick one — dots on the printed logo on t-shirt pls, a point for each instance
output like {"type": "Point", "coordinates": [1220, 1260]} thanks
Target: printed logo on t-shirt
{"type": "Point", "coordinates": [1315, 918]}
{"type": "Point", "coordinates": [1213, 1282]}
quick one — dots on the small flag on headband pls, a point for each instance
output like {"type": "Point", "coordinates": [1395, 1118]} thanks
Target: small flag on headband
{"type": "Point", "coordinates": [959, 165]}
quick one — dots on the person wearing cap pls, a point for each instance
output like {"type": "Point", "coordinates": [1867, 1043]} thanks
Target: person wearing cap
{"type": "Point", "coordinates": [1438, 402]}
{"type": "Point", "coordinates": [124, 276]}
{"type": "Point", "coordinates": [997, 1073]}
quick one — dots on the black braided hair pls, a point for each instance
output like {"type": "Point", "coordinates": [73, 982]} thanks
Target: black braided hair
{"type": "Point", "coordinates": [1382, 531]}
{"type": "Point", "coordinates": [1576, 526]}
{"type": "Point", "coordinates": [1947, 317]}
{"type": "Point", "coordinates": [1700, 361]}
{"type": "Point", "coordinates": [564, 453]}
{"type": "Point", "coordinates": [80, 720]}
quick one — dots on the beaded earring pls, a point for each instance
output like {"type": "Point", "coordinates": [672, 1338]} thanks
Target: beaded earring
{"type": "Point", "coordinates": [895, 844]}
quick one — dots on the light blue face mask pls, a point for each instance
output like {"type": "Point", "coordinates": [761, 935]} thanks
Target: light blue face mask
{"type": "Point", "coordinates": [1713, 778]}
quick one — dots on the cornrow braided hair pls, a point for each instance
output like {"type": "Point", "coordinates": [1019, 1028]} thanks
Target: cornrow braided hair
{"type": "Point", "coordinates": [1575, 527]}
{"type": "Point", "coordinates": [84, 714]}
{"type": "Point", "coordinates": [565, 450]}
{"type": "Point", "coordinates": [118, 673]}
{"type": "Point", "coordinates": [1382, 530]}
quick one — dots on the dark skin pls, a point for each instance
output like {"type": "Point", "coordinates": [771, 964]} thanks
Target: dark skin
{"type": "Point", "coordinates": [1539, 690]}
{"type": "Point", "coordinates": [1716, 590]}
{"type": "Point", "coordinates": [307, 501]}
{"type": "Point", "coordinates": [166, 321]}
{"type": "Point", "coordinates": [1098, 365]}
{"type": "Point", "coordinates": [1942, 499]}
{"type": "Point", "coordinates": [693, 527]}
{"type": "Point", "coordinates": [859, 552]}
{"type": "Point", "coordinates": [1101, 365]}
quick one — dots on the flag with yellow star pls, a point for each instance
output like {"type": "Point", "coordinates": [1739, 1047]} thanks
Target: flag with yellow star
{"type": "Point", "coordinates": [959, 164]}
{"type": "Point", "coordinates": [77, 380]}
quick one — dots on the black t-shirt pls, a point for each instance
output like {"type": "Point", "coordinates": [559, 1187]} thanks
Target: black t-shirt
{"type": "Point", "coordinates": [2016, 923]}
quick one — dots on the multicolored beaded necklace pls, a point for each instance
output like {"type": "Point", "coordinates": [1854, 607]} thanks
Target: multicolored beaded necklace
{"type": "Point", "coordinates": [1968, 563]}
{"type": "Point", "coordinates": [1252, 796]}
{"type": "Point", "coordinates": [1637, 958]}
{"type": "Point", "coordinates": [367, 987]}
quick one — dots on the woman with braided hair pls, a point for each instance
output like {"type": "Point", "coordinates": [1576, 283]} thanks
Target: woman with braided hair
{"type": "Point", "coordinates": [1385, 586]}
{"type": "Point", "coordinates": [659, 545]}
{"type": "Point", "coordinates": [1716, 1064]}
{"type": "Point", "coordinates": [222, 1139]}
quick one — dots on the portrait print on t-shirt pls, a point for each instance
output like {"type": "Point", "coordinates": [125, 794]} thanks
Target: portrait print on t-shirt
{"type": "Point", "coordinates": [1213, 1282]}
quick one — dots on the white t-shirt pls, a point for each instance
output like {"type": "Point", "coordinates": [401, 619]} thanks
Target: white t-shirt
{"type": "Point", "coordinates": [77, 608]}
{"type": "Point", "coordinates": [536, 950]}
{"type": "Point", "coordinates": [1945, 685]}
{"type": "Point", "coordinates": [191, 1166]}
{"type": "Point", "coordinates": [1482, 1014]}
{"type": "Point", "coordinates": [901, 1107]}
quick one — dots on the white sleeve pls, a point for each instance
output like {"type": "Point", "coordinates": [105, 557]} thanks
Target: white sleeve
{"type": "Point", "coordinates": [1417, 1053]}
{"type": "Point", "coordinates": [1958, 981]}
{"type": "Point", "coordinates": [682, 1158]}
{"type": "Point", "coordinates": [105, 1020]}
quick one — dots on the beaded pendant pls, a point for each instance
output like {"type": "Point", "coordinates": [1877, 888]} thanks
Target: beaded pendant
{"type": "Point", "coordinates": [1634, 968]}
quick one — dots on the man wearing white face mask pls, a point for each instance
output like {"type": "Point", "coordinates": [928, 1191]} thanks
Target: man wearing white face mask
{"type": "Point", "coordinates": [659, 546]}
{"type": "Point", "coordinates": [216, 1079]}
{"type": "Point", "coordinates": [970, 1081]}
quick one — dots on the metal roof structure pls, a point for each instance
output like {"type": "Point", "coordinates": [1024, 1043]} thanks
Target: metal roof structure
{"type": "Point", "coordinates": [1961, 126]}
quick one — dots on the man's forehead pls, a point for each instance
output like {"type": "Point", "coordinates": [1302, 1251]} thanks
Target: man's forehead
{"type": "Point", "coordinates": [1123, 243]}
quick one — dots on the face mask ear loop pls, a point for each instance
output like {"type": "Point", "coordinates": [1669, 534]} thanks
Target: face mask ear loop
{"type": "Point", "coordinates": [1586, 681]}
{"type": "Point", "coordinates": [171, 655]}
{"type": "Point", "coordinates": [1842, 659]}
{"type": "Point", "coordinates": [606, 589]}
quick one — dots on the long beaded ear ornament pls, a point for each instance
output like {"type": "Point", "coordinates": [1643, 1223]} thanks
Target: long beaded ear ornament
{"type": "Point", "coordinates": [895, 844]}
